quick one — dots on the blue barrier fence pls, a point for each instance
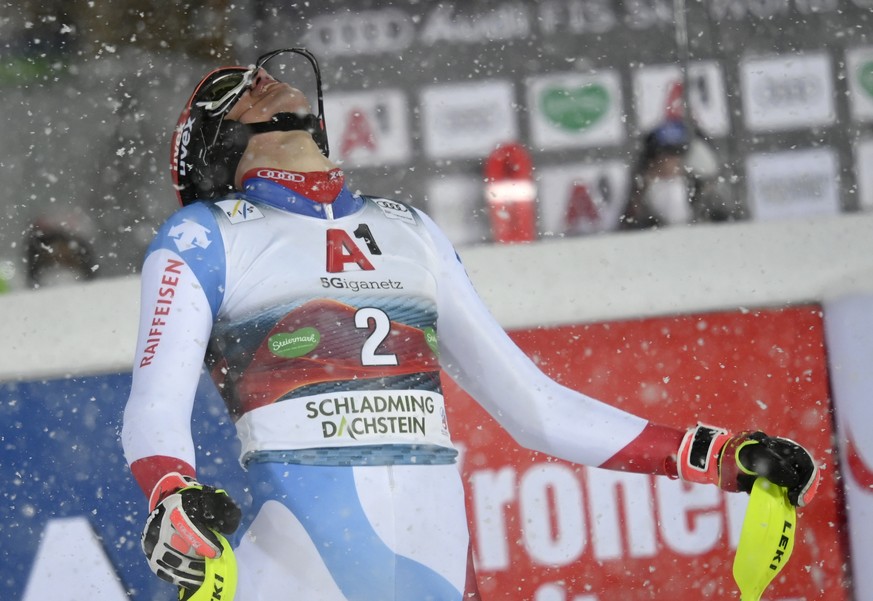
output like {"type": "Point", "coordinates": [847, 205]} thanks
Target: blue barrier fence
{"type": "Point", "coordinates": [62, 457]}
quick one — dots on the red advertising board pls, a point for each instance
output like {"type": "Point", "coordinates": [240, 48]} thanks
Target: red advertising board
{"type": "Point", "coordinates": [548, 530]}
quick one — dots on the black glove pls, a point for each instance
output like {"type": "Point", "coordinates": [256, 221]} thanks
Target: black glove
{"type": "Point", "coordinates": [178, 534]}
{"type": "Point", "coordinates": [734, 461]}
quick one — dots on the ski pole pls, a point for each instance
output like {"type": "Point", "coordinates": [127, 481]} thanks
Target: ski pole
{"type": "Point", "coordinates": [220, 581]}
{"type": "Point", "coordinates": [766, 540]}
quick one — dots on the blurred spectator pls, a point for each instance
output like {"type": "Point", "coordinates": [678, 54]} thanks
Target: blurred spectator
{"type": "Point", "coordinates": [676, 181]}
{"type": "Point", "coordinates": [56, 254]}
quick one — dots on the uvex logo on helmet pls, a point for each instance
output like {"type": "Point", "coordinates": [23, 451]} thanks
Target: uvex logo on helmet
{"type": "Point", "coordinates": [183, 138]}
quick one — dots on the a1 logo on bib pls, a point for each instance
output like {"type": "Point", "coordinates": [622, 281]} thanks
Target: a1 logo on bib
{"type": "Point", "coordinates": [238, 210]}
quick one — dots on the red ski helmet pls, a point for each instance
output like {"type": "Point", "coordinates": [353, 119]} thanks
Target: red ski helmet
{"type": "Point", "coordinates": [206, 148]}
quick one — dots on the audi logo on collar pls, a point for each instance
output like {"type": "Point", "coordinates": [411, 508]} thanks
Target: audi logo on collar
{"type": "Point", "coordinates": [279, 175]}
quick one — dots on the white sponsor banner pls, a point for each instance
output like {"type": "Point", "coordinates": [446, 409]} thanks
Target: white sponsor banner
{"type": "Point", "coordinates": [787, 92]}
{"type": "Point", "coordinates": [849, 334]}
{"type": "Point", "coordinates": [367, 129]}
{"type": "Point", "coordinates": [575, 110]}
{"type": "Point", "coordinates": [346, 419]}
{"type": "Point", "coordinates": [467, 120]}
{"type": "Point", "coordinates": [658, 94]}
{"type": "Point", "coordinates": [583, 198]}
{"type": "Point", "coordinates": [456, 204]}
{"type": "Point", "coordinates": [794, 183]}
{"type": "Point", "coordinates": [864, 172]}
{"type": "Point", "coordinates": [859, 72]}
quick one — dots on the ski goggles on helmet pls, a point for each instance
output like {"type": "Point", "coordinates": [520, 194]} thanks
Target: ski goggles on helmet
{"type": "Point", "coordinates": [219, 92]}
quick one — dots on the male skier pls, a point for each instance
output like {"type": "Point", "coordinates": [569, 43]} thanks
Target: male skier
{"type": "Point", "coordinates": [324, 318]}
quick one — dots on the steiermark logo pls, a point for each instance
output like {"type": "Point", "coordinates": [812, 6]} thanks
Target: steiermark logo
{"type": "Point", "coordinates": [294, 344]}
{"type": "Point", "coordinates": [865, 77]}
{"type": "Point", "coordinates": [575, 109]}
{"type": "Point", "coordinates": [430, 337]}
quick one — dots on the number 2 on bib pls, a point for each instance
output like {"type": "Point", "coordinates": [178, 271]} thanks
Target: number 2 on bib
{"type": "Point", "coordinates": [381, 330]}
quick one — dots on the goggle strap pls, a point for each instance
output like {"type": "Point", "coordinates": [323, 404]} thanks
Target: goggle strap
{"type": "Point", "coordinates": [286, 122]}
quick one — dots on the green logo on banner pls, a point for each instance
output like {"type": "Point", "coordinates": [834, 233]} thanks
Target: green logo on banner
{"type": "Point", "coordinates": [431, 338]}
{"type": "Point", "coordinates": [865, 76]}
{"type": "Point", "coordinates": [575, 109]}
{"type": "Point", "coordinates": [295, 344]}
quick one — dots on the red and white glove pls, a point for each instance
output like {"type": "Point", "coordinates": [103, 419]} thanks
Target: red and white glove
{"type": "Point", "coordinates": [178, 534]}
{"type": "Point", "coordinates": [713, 455]}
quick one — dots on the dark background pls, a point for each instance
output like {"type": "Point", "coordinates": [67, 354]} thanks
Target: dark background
{"type": "Point", "coordinates": [93, 90]}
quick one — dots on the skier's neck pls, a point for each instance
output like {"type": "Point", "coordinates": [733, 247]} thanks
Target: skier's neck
{"type": "Point", "coordinates": [289, 151]}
